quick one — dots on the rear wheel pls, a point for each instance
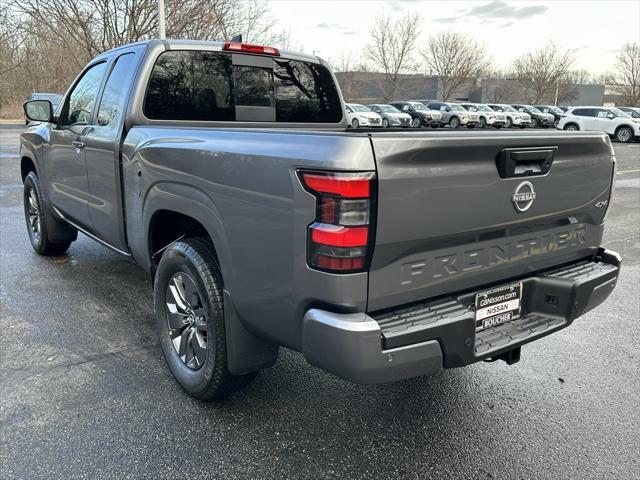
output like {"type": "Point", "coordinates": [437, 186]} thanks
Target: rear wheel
{"type": "Point", "coordinates": [624, 134]}
{"type": "Point", "coordinates": [355, 123]}
{"type": "Point", "coordinates": [190, 320]}
{"type": "Point", "coordinates": [454, 122]}
{"type": "Point", "coordinates": [36, 216]}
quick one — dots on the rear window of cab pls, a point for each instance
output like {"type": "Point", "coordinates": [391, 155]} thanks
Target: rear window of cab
{"type": "Point", "coordinates": [207, 86]}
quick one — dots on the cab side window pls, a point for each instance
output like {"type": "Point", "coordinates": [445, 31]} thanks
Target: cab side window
{"type": "Point", "coordinates": [112, 102]}
{"type": "Point", "coordinates": [78, 108]}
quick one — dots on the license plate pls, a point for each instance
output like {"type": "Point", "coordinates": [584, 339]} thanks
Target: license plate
{"type": "Point", "coordinates": [498, 305]}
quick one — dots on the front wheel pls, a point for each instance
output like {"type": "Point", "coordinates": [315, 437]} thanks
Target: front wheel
{"type": "Point", "coordinates": [624, 134]}
{"type": "Point", "coordinates": [189, 310]}
{"type": "Point", "coordinates": [355, 123]}
{"type": "Point", "coordinates": [454, 122]}
{"type": "Point", "coordinates": [416, 122]}
{"type": "Point", "coordinates": [36, 216]}
{"type": "Point", "coordinates": [483, 122]}
{"type": "Point", "coordinates": [508, 123]}
{"type": "Point", "coordinates": [385, 123]}
{"type": "Point", "coordinates": [572, 127]}
{"type": "Point", "coordinates": [534, 122]}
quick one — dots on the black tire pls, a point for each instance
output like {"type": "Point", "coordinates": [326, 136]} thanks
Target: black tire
{"type": "Point", "coordinates": [385, 123]}
{"type": "Point", "coordinates": [36, 216]}
{"type": "Point", "coordinates": [534, 122]}
{"type": "Point", "coordinates": [191, 260]}
{"type": "Point", "coordinates": [355, 123]}
{"type": "Point", "coordinates": [483, 122]}
{"type": "Point", "coordinates": [508, 123]}
{"type": "Point", "coordinates": [454, 122]}
{"type": "Point", "coordinates": [572, 127]}
{"type": "Point", "coordinates": [624, 135]}
{"type": "Point", "coordinates": [416, 122]}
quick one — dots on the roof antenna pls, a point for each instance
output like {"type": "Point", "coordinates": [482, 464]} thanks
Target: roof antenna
{"type": "Point", "coordinates": [236, 38]}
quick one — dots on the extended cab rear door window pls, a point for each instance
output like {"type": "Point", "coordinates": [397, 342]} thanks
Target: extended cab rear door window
{"type": "Point", "coordinates": [220, 86]}
{"type": "Point", "coordinates": [190, 85]}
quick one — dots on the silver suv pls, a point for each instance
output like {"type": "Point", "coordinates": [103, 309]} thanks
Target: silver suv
{"type": "Point", "coordinates": [455, 114]}
{"type": "Point", "coordinates": [514, 117]}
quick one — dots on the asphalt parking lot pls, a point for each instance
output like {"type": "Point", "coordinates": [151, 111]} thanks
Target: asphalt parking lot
{"type": "Point", "coordinates": [85, 392]}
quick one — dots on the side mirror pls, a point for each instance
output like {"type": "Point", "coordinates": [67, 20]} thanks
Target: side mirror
{"type": "Point", "coordinates": [610, 116]}
{"type": "Point", "coordinates": [38, 110]}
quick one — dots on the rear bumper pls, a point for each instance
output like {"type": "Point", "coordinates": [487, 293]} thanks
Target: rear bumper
{"type": "Point", "coordinates": [423, 338]}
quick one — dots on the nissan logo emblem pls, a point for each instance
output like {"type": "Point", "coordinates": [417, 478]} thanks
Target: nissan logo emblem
{"type": "Point", "coordinates": [523, 196]}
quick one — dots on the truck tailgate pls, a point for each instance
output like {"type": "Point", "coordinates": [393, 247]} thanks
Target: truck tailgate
{"type": "Point", "coordinates": [448, 221]}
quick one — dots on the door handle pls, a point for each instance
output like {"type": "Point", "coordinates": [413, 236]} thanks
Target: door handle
{"type": "Point", "coordinates": [77, 144]}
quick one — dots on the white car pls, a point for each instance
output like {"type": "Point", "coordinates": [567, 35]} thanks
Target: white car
{"type": "Point", "coordinates": [360, 116]}
{"type": "Point", "coordinates": [391, 116]}
{"type": "Point", "coordinates": [514, 117]}
{"type": "Point", "coordinates": [613, 121]}
{"type": "Point", "coordinates": [488, 116]}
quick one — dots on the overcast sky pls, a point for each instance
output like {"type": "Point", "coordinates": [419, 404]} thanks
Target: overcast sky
{"type": "Point", "coordinates": [595, 30]}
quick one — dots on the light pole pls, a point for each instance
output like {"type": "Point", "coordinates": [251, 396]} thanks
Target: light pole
{"type": "Point", "coordinates": [161, 29]}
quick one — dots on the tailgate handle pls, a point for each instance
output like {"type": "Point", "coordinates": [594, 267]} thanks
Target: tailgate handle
{"type": "Point", "coordinates": [525, 162]}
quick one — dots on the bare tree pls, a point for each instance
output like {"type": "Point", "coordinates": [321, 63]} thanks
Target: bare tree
{"type": "Point", "coordinates": [456, 59]}
{"type": "Point", "coordinates": [627, 77]}
{"type": "Point", "coordinates": [391, 46]}
{"type": "Point", "coordinates": [44, 43]}
{"type": "Point", "coordinates": [539, 72]}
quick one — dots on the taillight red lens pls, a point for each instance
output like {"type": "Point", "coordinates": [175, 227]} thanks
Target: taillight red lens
{"type": "Point", "coordinates": [340, 238]}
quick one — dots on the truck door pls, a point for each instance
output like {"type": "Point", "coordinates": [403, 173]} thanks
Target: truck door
{"type": "Point", "coordinates": [102, 151]}
{"type": "Point", "coordinates": [66, 171]}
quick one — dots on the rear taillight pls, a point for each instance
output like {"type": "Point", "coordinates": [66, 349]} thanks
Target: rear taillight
{"type": "Point", "coordinates": [341, 237]}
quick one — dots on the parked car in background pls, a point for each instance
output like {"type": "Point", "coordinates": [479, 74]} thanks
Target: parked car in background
{"type": "Point", "coordinates": [633, 111]}
{"type": "Point", "coordinates": [538, 119]}
{"type": "Point", "coordinates": [488, 116]}
{"type": "Point", "coordinates": [54, 98]}
{"type": "Point", "coordinates": [420, 114]}
{"type": "Point", "coordinates": [553, 110]}
{"type": "Point", "coordinates": [360, 116]}
{"type": "Point", "coordinates": [391, 116]}
{"type": "Point", "coordinates": [563, 108]}
{"type": "Point", "coordinates": [455, 114]}
{"type": "Point", "coordinates": [613, 121]}
{"type": "Point", "coordinates": [514, 117]}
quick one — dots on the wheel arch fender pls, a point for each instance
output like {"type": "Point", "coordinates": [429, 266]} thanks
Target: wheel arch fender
{"type": "Point", "coordinates": [246, 352]}
{"type": "Point", "coordinates": [191, 202]}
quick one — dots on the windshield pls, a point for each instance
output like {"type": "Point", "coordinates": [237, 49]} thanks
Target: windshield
{"type": "Point", "coordinates": [532, 109]}
{"type": "Point", "coordinates": [556, 110]}
{"type": "Point", "coordinates": [506, 108]}
{"type": "Point", "coordinates": [418, 106]}
{"type": "Point", "coordinates": [471, 108]}
{"type": "Point", "coordinates": [619, 113]}
{"type": "Point", "coordinates": [483, 108]}
{"type": "Point", "coordinates": [388, 109]}
{"type": "Point", "coordinates": [359, 108]}
{"type": "Point", "coordinates": [457, 108]}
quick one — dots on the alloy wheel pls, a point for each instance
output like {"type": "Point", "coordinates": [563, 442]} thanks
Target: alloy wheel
{"type": "Point", "coordinates": [187, 320]}
{"type": "Point", "coordinates": [623, 135]}
{"type": "Point", "coordinates": [33, 213]}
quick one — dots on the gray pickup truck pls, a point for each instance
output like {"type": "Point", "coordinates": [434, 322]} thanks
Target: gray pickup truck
{"type": "Point", "coordinates": [227, 172]}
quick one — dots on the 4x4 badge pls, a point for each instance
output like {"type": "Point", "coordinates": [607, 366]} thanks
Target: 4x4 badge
{"type": "Point", "coordinates": [523, 196]}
